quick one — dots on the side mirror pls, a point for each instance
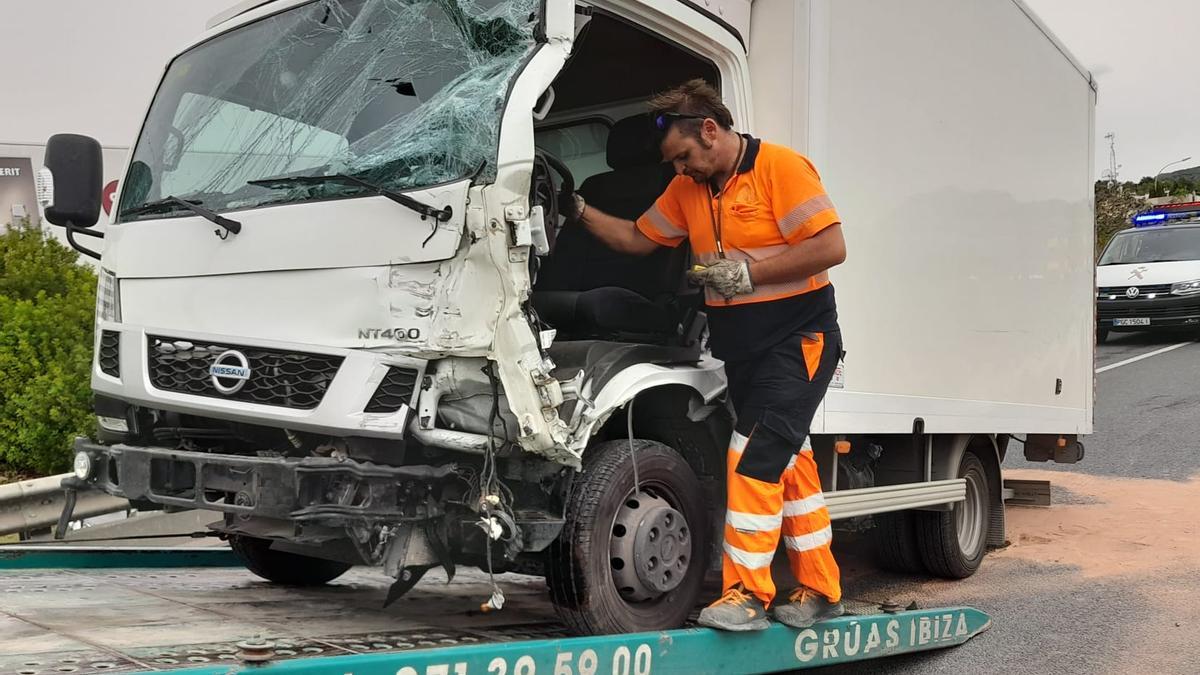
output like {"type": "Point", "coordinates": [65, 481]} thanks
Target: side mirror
{"type": "Point", "coordinates": [73, 191]}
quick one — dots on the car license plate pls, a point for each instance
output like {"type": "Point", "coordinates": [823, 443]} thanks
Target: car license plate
{"type": "Point", "coordinates": [1131, 322]}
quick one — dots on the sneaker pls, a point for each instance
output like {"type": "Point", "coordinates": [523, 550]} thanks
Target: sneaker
{"type": "Point", "coordinates": [737, 610]}
{"type": "Point", "coordinates": [806, 607]}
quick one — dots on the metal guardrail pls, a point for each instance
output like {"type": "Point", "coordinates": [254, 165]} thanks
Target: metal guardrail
{"type": "Point", "coordinates": [31, 505]}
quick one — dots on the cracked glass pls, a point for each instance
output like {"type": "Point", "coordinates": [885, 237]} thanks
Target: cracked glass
{"type": "Point", "coordinates": [399, 93]}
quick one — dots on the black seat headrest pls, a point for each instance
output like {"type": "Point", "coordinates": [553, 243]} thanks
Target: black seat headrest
{"type": "Point", "coordinates": [633, 142]}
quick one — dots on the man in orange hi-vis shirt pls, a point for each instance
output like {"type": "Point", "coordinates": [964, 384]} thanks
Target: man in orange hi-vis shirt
{"type": "Point", "coordinates": [763, 234]}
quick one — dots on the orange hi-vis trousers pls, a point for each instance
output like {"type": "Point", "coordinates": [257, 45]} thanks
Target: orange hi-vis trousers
{"type": "Point", "coordinates": [758, 513]}
{"type": "Point", "coordinates": [773, 490]}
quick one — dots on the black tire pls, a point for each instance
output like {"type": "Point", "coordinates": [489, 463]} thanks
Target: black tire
{"type": "Point", "coordinates": [579, 570]}
{"type": "Point", "coordinates": [1101, 335]}
{"type": "Point", "coordinates": [944, 551]}
{"type": "Point", "coordinates": [895, 540]}
{"type": "Point", "coordinates": [289, 569]}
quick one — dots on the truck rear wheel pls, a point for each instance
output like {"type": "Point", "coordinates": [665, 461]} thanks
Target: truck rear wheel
{"type": "Point", "coordinates": [630, 560]}
{"type": "Point", "coordinates": [952, 543]}
{"type": "Point", "coordinates": [289, 569]}
{"type": "Point", "coordinates": [895, 539]}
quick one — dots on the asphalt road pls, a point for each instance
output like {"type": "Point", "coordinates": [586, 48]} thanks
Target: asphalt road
{"type": "Point", "coordinates": [1107, 580]}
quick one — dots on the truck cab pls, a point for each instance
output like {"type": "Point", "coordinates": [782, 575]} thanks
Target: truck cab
{"type": "Point", "coordinates": [339, 308]}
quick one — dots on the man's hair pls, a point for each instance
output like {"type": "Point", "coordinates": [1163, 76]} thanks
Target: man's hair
{"type": "Point", "coordinates": [694, 97]}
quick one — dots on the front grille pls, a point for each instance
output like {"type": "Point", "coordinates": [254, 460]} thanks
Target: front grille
{"type": "Point", "coordinates": [394, 391]}
{"type": "Point", "coordinates": [109, 355]}
{"type": "Point", "coordinates": [1143, 291]}
{"type": "Point", "coordinates": [1147, 311]}
{"type": "Point", "coordinates": [278, 378]}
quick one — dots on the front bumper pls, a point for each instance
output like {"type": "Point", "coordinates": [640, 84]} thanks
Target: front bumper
{"type": "Point", "coordinates": [294, 489]}
{"type": "Point", "coordinates": [1165, 312]}
{"type": "Point", "coordinates": [121, 369]}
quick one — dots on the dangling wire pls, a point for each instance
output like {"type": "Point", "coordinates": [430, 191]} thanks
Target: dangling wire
{"type": "Point", "coordinates": [492, 493]}
{"type": "Point", "coordinates": [637, 481]}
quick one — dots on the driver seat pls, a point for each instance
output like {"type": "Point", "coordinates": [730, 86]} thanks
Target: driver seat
{"type": "Point", "coordinates": [587, 290]}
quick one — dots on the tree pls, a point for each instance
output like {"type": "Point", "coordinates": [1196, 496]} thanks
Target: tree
{"type": "Point", "coordinates": [1115, 205]}
{"type": "Point", "coordinates": [47, 307]}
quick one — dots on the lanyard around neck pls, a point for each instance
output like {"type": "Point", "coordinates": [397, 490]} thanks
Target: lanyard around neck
{"type": "Point", "coordinates": [716, 219]}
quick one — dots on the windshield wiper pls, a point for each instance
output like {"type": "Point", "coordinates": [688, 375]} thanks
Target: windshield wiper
{"type": "Point", "coordinates": [426, 211]}
{"type": "Point", "coordinates": [168, 203]}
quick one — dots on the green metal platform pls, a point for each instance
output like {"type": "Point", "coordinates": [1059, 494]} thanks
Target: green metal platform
{"type": "Point", "coordinates": [84, 611]}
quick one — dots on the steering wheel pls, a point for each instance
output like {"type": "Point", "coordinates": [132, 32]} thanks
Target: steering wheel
{"type": "Point", "coordinates": [566, 186]}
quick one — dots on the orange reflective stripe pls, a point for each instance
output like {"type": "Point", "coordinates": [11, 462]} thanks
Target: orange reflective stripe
{"type": "Point", "coordinates": [737, 443]}
{"type": "Point", "coordinates": [738, 567]}
{"type": "Point", "coordinates": [664, 225]}
{"type": "Point", "coordinates": [796, 526]}
{"type": "Point", "coordinates": [753, 522]}
{"type": "Point", "coordinates": [813, 348]}
{"type": "Point", "coordinates": [798, 218]}
{"type": "Point", "coordinates": [803, 506]}
{"type": "Point", "coordinates": [762, 541]}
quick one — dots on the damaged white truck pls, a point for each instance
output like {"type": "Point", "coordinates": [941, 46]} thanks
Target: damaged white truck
{"type": "Point", "coordinates": [337, 306]}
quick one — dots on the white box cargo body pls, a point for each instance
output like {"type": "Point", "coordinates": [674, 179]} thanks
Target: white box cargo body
{"type": "Point", "coordinates": [959, 154]}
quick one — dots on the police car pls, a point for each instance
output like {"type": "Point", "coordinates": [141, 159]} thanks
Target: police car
{"type": "Point", "coordinates": [1149, 275]}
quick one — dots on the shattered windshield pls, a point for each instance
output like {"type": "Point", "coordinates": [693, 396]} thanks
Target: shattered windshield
{"type": "Point", "coordinates": [399, 93]}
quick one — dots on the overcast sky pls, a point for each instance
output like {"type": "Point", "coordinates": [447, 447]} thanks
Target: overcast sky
{"type": "Point", "coordinates": [90, 66]}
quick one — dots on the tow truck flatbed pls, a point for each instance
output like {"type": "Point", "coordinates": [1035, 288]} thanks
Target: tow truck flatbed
{"type": "Point", "coordinates": [85, 610]}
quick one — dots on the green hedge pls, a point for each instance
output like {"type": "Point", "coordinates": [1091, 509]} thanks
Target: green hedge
{"type": "Point", "coordinates": [47, 308]}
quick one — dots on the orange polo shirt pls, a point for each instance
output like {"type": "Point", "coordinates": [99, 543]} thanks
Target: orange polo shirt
{"type": "Point", "coordinates": [774, 200]}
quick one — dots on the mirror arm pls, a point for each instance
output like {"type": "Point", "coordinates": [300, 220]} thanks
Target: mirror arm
{"type": "Point", "coordinates": [71, 230]}
{"type": "Point", "coordinates": [88, 232]}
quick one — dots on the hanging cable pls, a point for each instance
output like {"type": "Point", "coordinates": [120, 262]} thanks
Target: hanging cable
{"type": "Point", "coordinates": [491, 494]}
{"type": "Point", "coordinates": [637, 481]}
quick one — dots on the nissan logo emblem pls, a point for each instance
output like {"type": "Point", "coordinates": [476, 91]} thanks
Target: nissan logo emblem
{"type": "Point", "coordinates": [229, 372]}
{"type": "Point", "coordinates": [1132, 292]}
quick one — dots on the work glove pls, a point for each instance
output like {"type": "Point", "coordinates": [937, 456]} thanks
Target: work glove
{"type": "Point", "coordinates": [571, 206]}
{"type": "Point", "coordinates": [729, 278]}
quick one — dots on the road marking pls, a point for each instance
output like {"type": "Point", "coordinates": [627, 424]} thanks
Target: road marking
{"type": "Point", "coordinates": [1135, 359]}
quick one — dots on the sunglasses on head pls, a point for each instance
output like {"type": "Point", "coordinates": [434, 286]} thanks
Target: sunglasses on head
{"type": "Point", "coordinates": [664, 120]}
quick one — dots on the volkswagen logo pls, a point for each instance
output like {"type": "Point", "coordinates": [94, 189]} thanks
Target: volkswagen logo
{"type": "Point", "coordinates": [1132, 292]}
{"type": "Point", "coordinates": [229, 372]}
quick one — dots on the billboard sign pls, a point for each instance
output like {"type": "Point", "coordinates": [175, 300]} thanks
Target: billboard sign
{"type": "Point", "coordinates": [18, 194]}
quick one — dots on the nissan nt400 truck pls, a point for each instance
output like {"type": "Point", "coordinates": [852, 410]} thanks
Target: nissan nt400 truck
{"type": "Point", "coordinates": [337, 308]}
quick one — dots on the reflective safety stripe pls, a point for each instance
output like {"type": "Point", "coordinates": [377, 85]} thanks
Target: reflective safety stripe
{"type": "Point", "coordinates": [808, 542]}
{"type": "Point", "coordinates": [665, 227]}
{"type": "Point", "coordinates": [799, 216]}
{"type": "Point", "coordinates": [738, 443]}
{"type": "Point", "coordinates": [751, 561]}
{"type": "Point", "coordinates": [753, 522]}
{"type": "Point", "coordinates": [803, 507]}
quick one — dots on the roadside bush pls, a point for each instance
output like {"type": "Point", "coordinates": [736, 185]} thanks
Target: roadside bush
{"type": "Point", "coordinates": [47, 306]}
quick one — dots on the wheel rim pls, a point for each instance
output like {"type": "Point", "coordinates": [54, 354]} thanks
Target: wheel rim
{"type": "Point", "coordinates": [968, 515]}
{"type": "Point", "coordinates": [650, 548]}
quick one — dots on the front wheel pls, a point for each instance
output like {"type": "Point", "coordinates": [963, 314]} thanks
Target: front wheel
{"type": "Point", "coordinates": [630, 560]}
{"type": "Point", "coordinates": [952, 543]}
{"type": "Point", "coordinates": [1101, 335]}
{"type": "Point", "coordinates": [289, 569]}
